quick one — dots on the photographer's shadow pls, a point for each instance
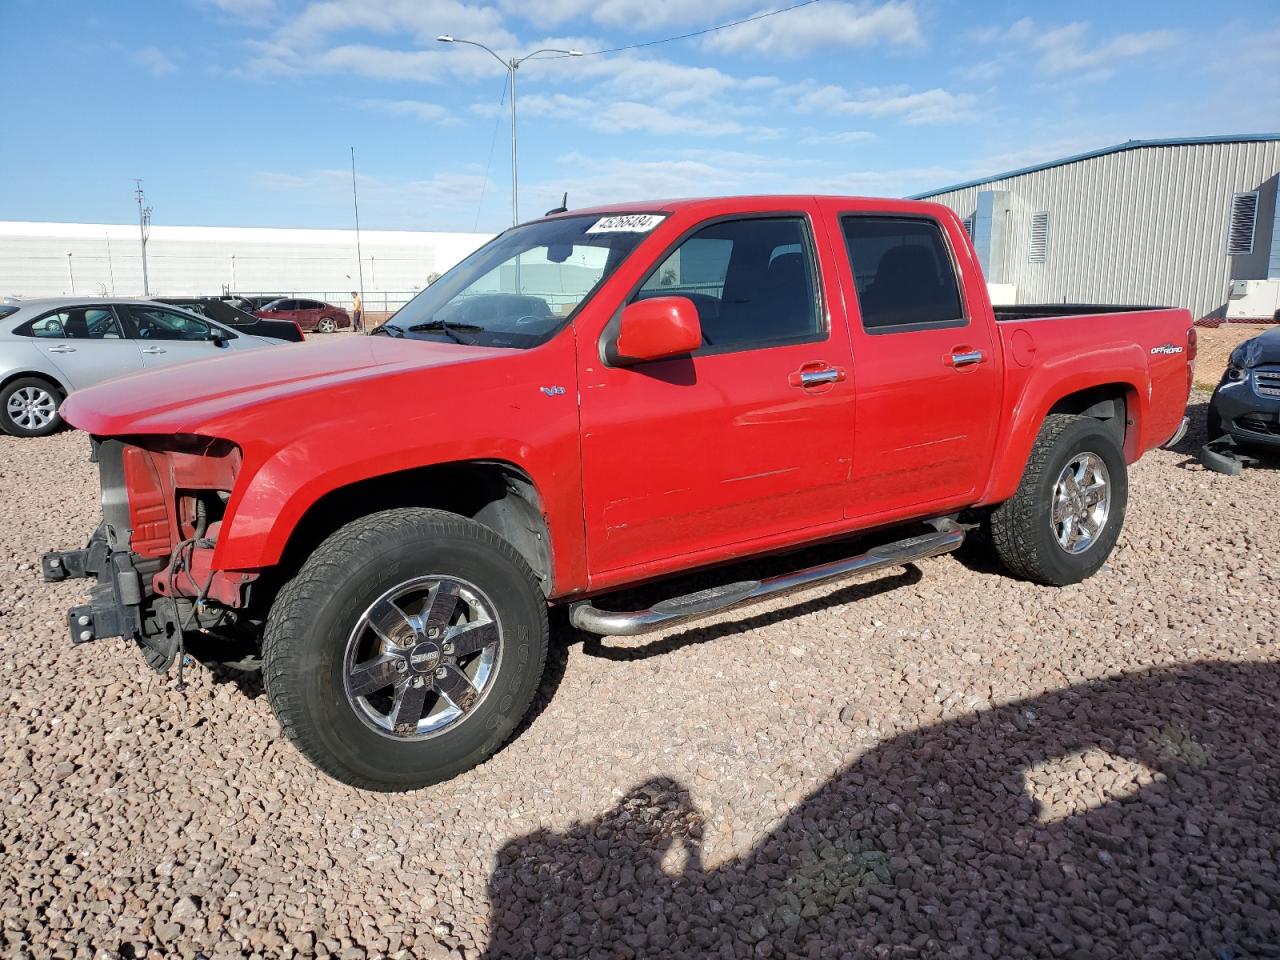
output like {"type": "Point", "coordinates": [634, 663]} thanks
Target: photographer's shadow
{"type": "Point", "coordinates": [1130, 817]}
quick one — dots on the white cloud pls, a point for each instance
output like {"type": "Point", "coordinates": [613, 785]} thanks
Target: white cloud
{"type": "Point", "coordinates": [419, 109]}
{"type": "Point", "coordinates": [444, 201]}
{"type": "Point", "coordinates": [154, 60]}
{"type": "Point", "coordinates": [934, 106]}
{"type": "Point", "coordinates": [632, 14]}
{"type": "Point", "coordinates": [1063, 50]}
{"type": "Point", "coordinates": [834, 24]}
{"type": "Point", "coordinates": [843, 137]}
{"type": "Point", "coordinates": [594, 178]}
{"type": "Point", "coordinates": [244, 9]}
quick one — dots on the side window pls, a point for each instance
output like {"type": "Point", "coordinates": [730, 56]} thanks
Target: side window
{"type": "Point", "coordinates": [156, 324]}
{"type": "Point", "coordinates": [79, 323]}
{"type": "Point", "coordinates": [752, 281]}
{"type": "Point", "coordinates": [903, 273]}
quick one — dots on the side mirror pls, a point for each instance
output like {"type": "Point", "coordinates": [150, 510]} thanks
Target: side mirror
{"type": "Point", "coordinates": [655, 329]}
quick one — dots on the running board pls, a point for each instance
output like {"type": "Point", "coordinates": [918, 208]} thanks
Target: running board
{"type": "Point", "coordinates": [586, 616]}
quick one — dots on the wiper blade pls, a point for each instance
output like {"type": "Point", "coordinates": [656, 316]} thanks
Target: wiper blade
{"type": "Point", "coordinates": [387, 330]}
{"type": "Point", "coordinates": [448, 329]}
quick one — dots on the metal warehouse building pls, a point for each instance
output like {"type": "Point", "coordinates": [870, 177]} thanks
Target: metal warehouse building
{"type": "Point", "coordinates": [1188, 223]}
{"type": "Point", "coordinates": [96, 259]}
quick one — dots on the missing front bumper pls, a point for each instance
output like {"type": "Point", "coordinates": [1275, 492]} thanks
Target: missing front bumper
{"type": "Point", "coordinates": [117, 606]}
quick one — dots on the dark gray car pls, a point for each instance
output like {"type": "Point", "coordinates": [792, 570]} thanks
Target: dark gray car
{"type": "Point", "coordinates": [51, 347]}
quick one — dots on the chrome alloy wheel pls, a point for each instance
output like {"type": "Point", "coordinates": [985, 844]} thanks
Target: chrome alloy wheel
{"type": "Point", "coordinates": [1081, 503]}
{"type": "Point", "coordinates": [327, 325]}
{"type": "Point", "coordinates": [31, 408]}
{"type": "Point", "coordinates": [422, 657]}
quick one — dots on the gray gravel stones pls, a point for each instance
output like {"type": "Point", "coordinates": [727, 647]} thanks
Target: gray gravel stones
{"type": "Point", "coordinates": [950, 763]}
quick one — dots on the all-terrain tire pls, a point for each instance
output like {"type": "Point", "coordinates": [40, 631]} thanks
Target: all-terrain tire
{"type": "Point", "coordinates": [314, 616]}
{"type": "Point", "coordinates": [16, 398]}
{"type": "Point", "coordinates": [1022, 531]}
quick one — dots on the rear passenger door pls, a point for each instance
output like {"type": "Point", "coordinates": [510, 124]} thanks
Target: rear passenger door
{"type": "Point", "coordinates": [928, 378]}
{"type": "Point", "coordinates": [86, 344]}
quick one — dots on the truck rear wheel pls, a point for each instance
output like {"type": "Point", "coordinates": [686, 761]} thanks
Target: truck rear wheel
{"type": "Point", "coordinates": [406, 650]}
{"type": "Point", "coordinates": [1065, 518]}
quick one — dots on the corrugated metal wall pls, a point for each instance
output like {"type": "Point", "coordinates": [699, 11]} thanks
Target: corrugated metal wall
{"type": "Point", "coordinates": [1144, 225]}
{"type": "Point", "coordinates": [106, 259]}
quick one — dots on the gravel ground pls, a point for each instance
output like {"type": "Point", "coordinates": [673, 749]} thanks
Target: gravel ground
{"type": "Point", "coordinates": [943, 763]}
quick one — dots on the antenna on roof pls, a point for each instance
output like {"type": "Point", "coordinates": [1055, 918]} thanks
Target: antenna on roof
{"type": "Point", "coordinates": [563, 208]}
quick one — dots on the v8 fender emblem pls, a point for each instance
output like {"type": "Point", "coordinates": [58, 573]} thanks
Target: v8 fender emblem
{"type": "Point", "coordinates": [553, 391]}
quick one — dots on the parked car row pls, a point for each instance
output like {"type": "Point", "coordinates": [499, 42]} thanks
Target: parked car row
{"type": "Point", "coordinates": [50, 347]}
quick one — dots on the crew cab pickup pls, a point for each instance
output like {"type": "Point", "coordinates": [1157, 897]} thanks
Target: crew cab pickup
{"type": "Point", "coordinates": [593, 400]}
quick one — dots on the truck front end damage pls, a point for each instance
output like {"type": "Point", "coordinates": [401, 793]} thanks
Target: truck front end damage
{"type": "Point", "coordinates": [163, 499]}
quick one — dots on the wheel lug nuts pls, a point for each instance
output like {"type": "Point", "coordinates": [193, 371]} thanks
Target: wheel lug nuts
{"type": "Point", "coordinates": [448, 648]}
{"type": "Point", "coordinates": [441, 673]}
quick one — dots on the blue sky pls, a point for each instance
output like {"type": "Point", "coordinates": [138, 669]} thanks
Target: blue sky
{"type": "Point", "coordinates": [241, 112]}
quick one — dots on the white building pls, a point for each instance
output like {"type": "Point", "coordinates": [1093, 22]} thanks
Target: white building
{"type": "Point", "coordinates": [1182, 223]}
{"type": "Point", "coordinates": [52, 259]}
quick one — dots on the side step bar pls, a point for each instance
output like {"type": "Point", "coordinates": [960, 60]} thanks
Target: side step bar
{"type": "Point", "coordinates": [586, 616]}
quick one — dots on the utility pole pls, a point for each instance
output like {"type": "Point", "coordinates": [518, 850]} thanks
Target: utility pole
{"type": "Point", "coordinates": [355, 202]}
{"type": "Point", "coordinates": [71, 276]}
{"type": "Point", "coordinates": [144, 231]}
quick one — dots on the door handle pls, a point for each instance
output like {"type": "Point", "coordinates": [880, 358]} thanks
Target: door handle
{"type": "Point", "coordinates": [813, 375]}
{"type": "Point", "coordinates": [967, 358]}
{"type": "Point", "coordinates": [153, 350]}
{"type": "Point", "coordinates": [62, 348]}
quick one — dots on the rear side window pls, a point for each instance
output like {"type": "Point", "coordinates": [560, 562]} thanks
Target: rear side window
{"type": "Point", "coordinates": [752, 281]}
{"type": "Point", "coordinates": [903, 273]}
{"type": "Point", "coordinates": [79, 323]}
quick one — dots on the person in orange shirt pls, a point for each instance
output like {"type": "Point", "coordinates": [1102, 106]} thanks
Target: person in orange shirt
{"type": "Point", "coordinates": [357, 313]}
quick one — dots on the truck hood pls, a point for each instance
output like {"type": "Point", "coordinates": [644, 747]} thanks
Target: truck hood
{"type": "Point", "coordinates": [179, 399]}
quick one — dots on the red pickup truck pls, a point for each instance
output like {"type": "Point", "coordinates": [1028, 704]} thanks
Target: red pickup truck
{"type": "Point", "coordinates": [592, 400]}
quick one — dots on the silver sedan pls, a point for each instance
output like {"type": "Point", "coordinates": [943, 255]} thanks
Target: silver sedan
{"type": "Point", "coordinates": [51, 347]}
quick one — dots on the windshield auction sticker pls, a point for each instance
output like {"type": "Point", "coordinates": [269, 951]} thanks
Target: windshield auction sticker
{"type": "Point", "coordinates": [627, 223]}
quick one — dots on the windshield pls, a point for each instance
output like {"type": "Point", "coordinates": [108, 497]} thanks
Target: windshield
{"type": "Point", "coordinates": [519, 289]}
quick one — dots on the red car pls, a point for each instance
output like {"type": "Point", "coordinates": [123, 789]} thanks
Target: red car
{"type": "Point", "coordinates": [313, 316]}
{"type": "Point", "coordinates": [591, 401]}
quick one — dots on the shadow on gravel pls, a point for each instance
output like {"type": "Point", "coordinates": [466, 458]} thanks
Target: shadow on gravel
{"type": "Point", "coordinates": [1128, 817]}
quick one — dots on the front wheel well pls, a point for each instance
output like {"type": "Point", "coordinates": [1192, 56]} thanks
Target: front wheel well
{"type": "Point", "coordinates": [495, 493]}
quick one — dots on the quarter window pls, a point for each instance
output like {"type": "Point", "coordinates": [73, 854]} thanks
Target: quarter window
{"type": "Point", "coordinates": [752, 282]}
{"type": "Point", "coordinates": [903, 273]}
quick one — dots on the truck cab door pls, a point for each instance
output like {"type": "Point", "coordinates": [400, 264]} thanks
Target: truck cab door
{"type": "Point", "coordinates": [929, 371]}
{"type": "Point", "coordinates": [747, 439]}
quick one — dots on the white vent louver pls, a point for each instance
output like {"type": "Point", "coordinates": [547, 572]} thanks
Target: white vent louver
{"type": "Point", "coordinates": [1039, 248]}
{"type": "Point", "coordinates": [968, 224]}
{"type": "Point", "coordinates": [1244, 215]}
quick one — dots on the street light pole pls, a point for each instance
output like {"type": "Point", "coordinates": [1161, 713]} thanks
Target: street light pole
{"type": "Point", "coordinates": [515, 184]}
{"type": "Point", "coordinates": [71, 276]}
{"type": "Point", "coordinates": [511, 66]}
